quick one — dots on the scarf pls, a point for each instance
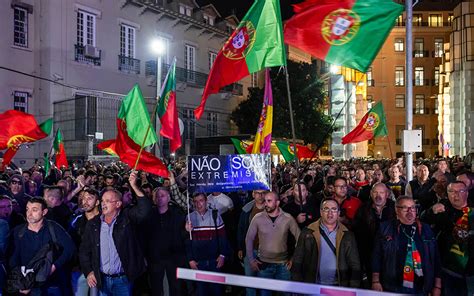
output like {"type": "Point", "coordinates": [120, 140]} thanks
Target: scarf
{"type": "Point", "coordinates": [412, 261]}
{"type": "Point", "coordinates": [458, 253]}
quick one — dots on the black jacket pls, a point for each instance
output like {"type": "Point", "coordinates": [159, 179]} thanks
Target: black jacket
{"type": "Point", "coordinates": [125, 239]}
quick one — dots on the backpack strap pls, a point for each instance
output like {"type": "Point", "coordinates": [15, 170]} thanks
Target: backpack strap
{"type": "Point", "coordinates": [51, 231]}
{"type": "Point", "coordinates": [22, 231]}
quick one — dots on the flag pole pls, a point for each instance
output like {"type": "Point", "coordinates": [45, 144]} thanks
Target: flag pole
{"type": "Point", "coordinates": [142, 146]}
{"type": "Point", "coordinates": [389, 146]}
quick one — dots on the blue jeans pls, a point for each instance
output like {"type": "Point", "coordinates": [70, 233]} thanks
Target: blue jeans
{"type": "Point", "coordinates": [114, 286]}
{"type": "Point", "coordinates": [80, 286]}
{"type": "Point", "coordinates": [277, 271]}
{"type": "Point", "coordinates": [249, 272]}
{"type": "Point", "coordinates": [208, 289]}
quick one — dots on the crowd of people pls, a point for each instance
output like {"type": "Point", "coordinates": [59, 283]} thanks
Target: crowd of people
{"type": "Point", "coordinates": [102, 229]}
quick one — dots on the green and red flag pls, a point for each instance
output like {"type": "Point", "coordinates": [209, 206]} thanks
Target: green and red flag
{"type": "Point", "coordinates": [61, 159]}
{"type": "Point", "coordinates": [167, 110]}
{"type": "Point", "coordinates": [134, 112]}
{"type": "Point", "coordinates": [108, 146]}
{"type": "Point", "coordinates": [288, 152]}
{"type": "Point", "coordinates": [348, 33]}
{"type": "Point", "coordinates": [241, 146]}
{"type": "Point", "coordinates": [20, 128]}
{"type": "Point", "coordinates": [256, 43]}
{"type": "Point", "coordinates": [128, 152]}
{"type": "Point", "coordinates": [372, 125]}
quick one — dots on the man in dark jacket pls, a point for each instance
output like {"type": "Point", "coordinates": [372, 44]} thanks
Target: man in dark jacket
{"type": "Point", "coordinates": [405, 258]}
{"type": "Point", "coordinates": [110, 255]}
{"type": "Point", "coordinates": [326, 252]}
{"type": "Point", "coordinates": [366, 223]}
{"type": "Point", "coordinates": [30, 238]}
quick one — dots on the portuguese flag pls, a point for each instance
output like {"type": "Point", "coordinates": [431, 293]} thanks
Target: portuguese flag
{"type": "Point", "coordinates": [348, 33]}
{"type": "Point", "coordinates": [108, 146]}
{"type": "Point", "coordinates": [241, 146]}
{"type": "Point", "coordinates": [61, 159]}
{"type": "Point", "coordinates": [20, 128]}
{"type": "Point", "coordinates": [287, 151]}
{"type": "Point", "coordinates": [256, 43]}
{"type": "Point", "coordinates": [167, 111]}
{"type": "Point", "coordinates": [373, 124]}
{"type": "Point", "coordinates": [134, 112]}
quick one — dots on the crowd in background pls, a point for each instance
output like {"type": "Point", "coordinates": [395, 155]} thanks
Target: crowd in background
{"type": "Point", "coordinates": [96, 229]}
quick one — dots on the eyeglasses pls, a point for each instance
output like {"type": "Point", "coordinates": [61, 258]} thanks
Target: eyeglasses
{"type": "Point", "coordinates": [332, 210]}
{"type": "Point", "coordinates": [457, 191]}
{"type": "Point", "coordinates": [341, 186]}
{"type": "Point", "coordinates": [408, 209]}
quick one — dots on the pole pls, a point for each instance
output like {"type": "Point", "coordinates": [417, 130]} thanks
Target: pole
{"type": "Point", "coordinates": [409, 82]}
{"type": "Point", "coordinates": [158, 93]}
{"type": "Point", "coordinates": [291, 118]}
{"type": "Point", "coordinates": [390, 147]}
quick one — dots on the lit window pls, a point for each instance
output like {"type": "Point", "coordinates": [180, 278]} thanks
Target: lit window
{"type": "Point", "coordinates": [399, 76]}
{"type": "Point", "coordinates": [399, 101]}
{"type": "Point", "coordinates": [419, 104]}
{"type": "Point", "coordinates": [438, 47]}
{"type": "Point", "coordinates": [399, 44]}
{"type": "Point", "coordinates": [419, 76]}
{"type": "Point", "coordinates": [435, 20]}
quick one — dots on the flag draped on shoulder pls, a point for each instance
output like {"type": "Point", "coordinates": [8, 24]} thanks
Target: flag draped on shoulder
{"type": "Point", "coordinates": [263, 137]}
{"type": "Point", "coordinates": [241, 146]}
{"type": "Point", "coordinates": [134, 112]}
{"type": "Point", "coordinates": [255, 44]}
{"type": "Point", "coordinates": [20, 128]}
{"type": "Point", "coordinates": [348, 33]}
{"type": "Point", "coordinates": [167, 110]}
{"type": "Point", "coordinates": [61, 159]}
{"type": "Point", "coordinates": [373, 124]}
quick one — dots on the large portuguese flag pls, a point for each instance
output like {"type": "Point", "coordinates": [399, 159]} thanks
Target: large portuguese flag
{"type": "Point", "coordinates": [255, 44]}
{"type": "Point", "coordinates": [373, 124]}
{"type": "Point", "coordinates": [349, 33]}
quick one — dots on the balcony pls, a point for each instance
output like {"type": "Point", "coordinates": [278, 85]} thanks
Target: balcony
{"type": "Point", "coordinates": [370, 82]}
{"type": "Point", "coordinates": [87, 54]}
{"type": "Point", "coordinates": [437, 53]}
{"type": "Point", "coordinates": [421, 82]}
{"type": "Point", "coordinates": [235, 89]}
{"type": "Point", "coordinates": [421, 53]}
{"type": "Point", "coordinates": [193, 78]}
{"type": "Point", "coordinates": [128, 65]}
{"type": "Point", "coordinates": [421, 111]}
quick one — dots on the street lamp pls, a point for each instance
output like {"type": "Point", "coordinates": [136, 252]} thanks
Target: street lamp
{"type": "Point", "coordinates": [157, 46]}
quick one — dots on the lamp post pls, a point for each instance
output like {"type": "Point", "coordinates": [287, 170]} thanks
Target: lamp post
{"type": "Point", "coordinates": [158, 47]}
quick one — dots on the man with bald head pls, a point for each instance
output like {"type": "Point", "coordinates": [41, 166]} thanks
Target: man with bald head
{"type": "Point", "coordinates": [419, 188]}
{"type": "Point", "coordinates": [380, 208]}
{"type": "Point", "coordinates": [110, 254]}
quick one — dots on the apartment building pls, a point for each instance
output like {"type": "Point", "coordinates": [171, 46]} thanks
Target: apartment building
{"type": "Point", "coordinates": [386, 79]}
{"type": "Point", "coordinates": [74, 60]}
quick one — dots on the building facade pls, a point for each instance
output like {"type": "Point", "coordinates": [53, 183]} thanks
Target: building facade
{"type": "Point", "coordinates": [75, 60]}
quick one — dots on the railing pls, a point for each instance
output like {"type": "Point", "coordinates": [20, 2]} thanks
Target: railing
{"type": "Point", "coordinates": [421, 82]}
{"type": "Point", "coordinates": [370, 82]}
{"type": "Point", "coordinates": [236, 89]}
{"type": "Point", "coordinates": [400, 82]}
{"type": "Point", "coordinates": [128, 64]}
{"type": "Point", "coordinates": [82, 58]}
{"type": "Point", "coordinates": [424, 24]}
{"type": "Point", "coordinates": [421, 53]}
{"type": "Point", "coordinates": [421, 111]}
{"type": "Point", "coordinates": [437, 53]}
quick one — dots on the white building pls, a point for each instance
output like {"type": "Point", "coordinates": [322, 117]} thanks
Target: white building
{"type": "Point", "coordinates": [96, 51]}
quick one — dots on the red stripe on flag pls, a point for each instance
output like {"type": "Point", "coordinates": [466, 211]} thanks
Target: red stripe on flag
{"type": "Point", "coordinates": [210, 277]}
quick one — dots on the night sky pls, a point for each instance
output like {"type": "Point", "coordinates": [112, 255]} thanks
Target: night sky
{"type": "Point", "coordinates": [225, 7]}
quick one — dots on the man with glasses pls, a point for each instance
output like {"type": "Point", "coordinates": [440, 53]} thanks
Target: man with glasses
{"type": "Point", "coordinates": [405, 257]}
{"type": "Point", "coordinates": [249, 211]}
{"type": "Point", "coordinates": [348, 204]}
{"type": "Point", "coordinates": [454, 220]}
{"type": "Point", "coordinates": [110, 255]}
{"type": "Point", "coordinates": [326, 252]}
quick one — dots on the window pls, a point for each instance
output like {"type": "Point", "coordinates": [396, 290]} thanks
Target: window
{"type": "Point", "coordinates": [399, 101]}
{"type": "Point", "coordinates": [419, 46]}
{"type": "Point", "coordinates": [450, 19]}
{"type": "Point", "coordinates": [438, 47]}
{"type": "Point", "coordinates": [212, 58]}
{"type": "Point", "coordinates": [185, 10]}
{"type": "Point", "coordinates": [254, 79]}
{"type": "Point", "coordinates": [370, 80]}
{"type": "Point", "coordinates": [419, 76]}
{"type": "Point", "coordinates": [85, 28]}
{"type": "Point", "coordinates": [435, 110]}
{"type": "Point", "coordinates": [20, 101]}
{"type": "Point", "coordinates": [20, 27]}
{"type": "Point", "coordinates": [435, 20]}
{"type": "Point", "coordinates": [436, 76]}
{"type": "Point", "coordinates": [398, 133]}
{"type": "Point", "coordinates": [399, 21]}
{"type": "Point", "coordinates": [419, 104]}
{"type": "Point", "coordinates": [211, 124]}
{"type": "Point", "coordinates": [189, 124]}
{"type": "Point", "coordinates": [209, 20]}
{"type": "Point", "coordinates": [189, 62]}
{"type": "Point", "coordinates": [417, 20]}
{"type": "Point", "coordinates": [230, 28]}
{"type": "Point", "coordinates": [399, 76]}
{"type": "Point", "coordinates": [370, 102]}
{"type": "Point", "coordinates": [127, 41]}
{"type": "Point", "coordinates": [399, 44]}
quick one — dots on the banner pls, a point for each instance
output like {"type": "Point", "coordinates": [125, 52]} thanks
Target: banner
{"type": "Point", "coordinates": [225, 173]}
